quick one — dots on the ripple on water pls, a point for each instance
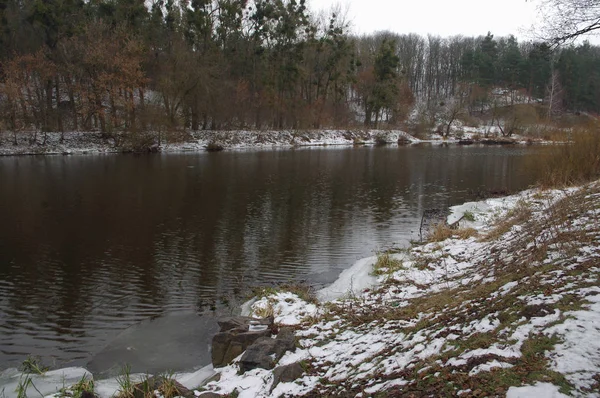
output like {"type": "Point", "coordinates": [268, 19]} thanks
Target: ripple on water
{"type": "Point", "coordinates": [92, 247]}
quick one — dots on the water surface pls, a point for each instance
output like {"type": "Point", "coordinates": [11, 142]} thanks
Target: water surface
{"type": "Point", "coordinates": [95, 247]}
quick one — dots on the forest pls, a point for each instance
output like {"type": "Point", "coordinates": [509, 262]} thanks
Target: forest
{"type": "Point", "coordinates": [125, 66]}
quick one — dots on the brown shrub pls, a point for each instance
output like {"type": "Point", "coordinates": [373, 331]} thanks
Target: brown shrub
{"type": "Point", "coordinates": [574, 163]}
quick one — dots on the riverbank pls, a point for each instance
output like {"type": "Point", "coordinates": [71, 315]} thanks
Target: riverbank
{"type": "Point", "coordinates": [94, 143]}
{"type": "Point", "coordinates": [506, 303]}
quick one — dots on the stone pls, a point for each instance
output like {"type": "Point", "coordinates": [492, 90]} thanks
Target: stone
{"type": "Point", "coordinates": [242, 322]}
{"type": "Point", "coordinates": [266, 352]}
{"type": "Point", "coordinates": [216, 377]}
{"type": "Point", "coordinates": [286, 341]}
{"type": "Point", "coordinates": [236, 335]}
{"type": "Point", "coordinates": [261, 354]}
{"type": "Point", "coordinates": [286, 373]}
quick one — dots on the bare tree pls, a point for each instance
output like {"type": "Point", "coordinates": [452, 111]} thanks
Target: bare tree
{"type": "Point", "coordinates": [554, 93]}
{"type": "Point", "coordinates": [566, 20]}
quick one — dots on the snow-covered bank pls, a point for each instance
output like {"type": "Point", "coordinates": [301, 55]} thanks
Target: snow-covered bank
{"type": "Point", "coordinates": [513, 310]}
{"type": "Point", "coordinates": [94, 143]}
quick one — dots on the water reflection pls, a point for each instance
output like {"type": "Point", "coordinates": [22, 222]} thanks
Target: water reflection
{"type": "Point", "coordinates": [91, 245]}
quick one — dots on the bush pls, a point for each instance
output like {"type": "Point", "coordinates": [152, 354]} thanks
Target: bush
{"type": "Point", "coordinates": [574, 163]}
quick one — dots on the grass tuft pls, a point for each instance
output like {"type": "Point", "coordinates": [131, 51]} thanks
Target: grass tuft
{"type": "Point", "coordinates": [386, 264]}
{"type": "Point", "coordinates": [265, 312]}
{"type": "Point", "coordinates": [439, 233]}
{"type": "Point", "coordinates": [468, 216]}
{"type": "Point", "coordinates": [33, 365]}
{"type": "Point", "coordinates": [126, 385]}
{"type": "Point", "coordinates": [83, 387]}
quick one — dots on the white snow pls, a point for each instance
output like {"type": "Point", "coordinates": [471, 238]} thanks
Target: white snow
{"type": "Point", "coordinates": [538, 390]}
{"type": "Point", "coordinates": [351, 281]}
{"type": "Point", "coordinates": [287, 308]}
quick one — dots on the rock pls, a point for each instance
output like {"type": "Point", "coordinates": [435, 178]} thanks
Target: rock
{"type": "Point", "coordinates": [215, 377]}
{"type": "Point", "coordinates": [265, 352]}
{"type": "Point", "coordinates": [286, 374]}
{"type": "Point", "coordinates": [233, 322]}
{"type": "Point", "coordinates": [286, 341]}
{"type": "Point", "coordinates": [236, 336]}
{"type": "Point", "coordinates": [261, 354]}
{"type": "Point", "coordinates": [242, 322]}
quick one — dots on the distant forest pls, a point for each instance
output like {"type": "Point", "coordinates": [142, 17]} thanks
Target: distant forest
{"type": "Point", "coordinates": [126, 66]}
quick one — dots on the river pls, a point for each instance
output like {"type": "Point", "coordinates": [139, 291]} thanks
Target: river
{"type": "Point", "coordinates": [102, 252]}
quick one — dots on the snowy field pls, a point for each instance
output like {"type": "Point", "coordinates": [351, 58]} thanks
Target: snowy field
{"type": "Point", "coordinates": [508, 305]}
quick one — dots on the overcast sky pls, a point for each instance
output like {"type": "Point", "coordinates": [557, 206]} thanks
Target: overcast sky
{"type": "Point", "coordinates": [438, 17]}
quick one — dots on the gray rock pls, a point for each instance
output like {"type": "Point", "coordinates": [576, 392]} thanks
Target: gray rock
{"type": "Point", "coordinates": [215, 377]}
{"type": "Point", "coordinates": [286, 341]}
{"type": "Point", "coordinates": [266, 352]}
{"type": "Point", "coordinates": [287, 373]}
{"type": "Point", "coordinates": [235, 337]}
{"type": "Point", "coordinates": [261, 354]}
{"type": "Point", "coordinates": [242, 322]}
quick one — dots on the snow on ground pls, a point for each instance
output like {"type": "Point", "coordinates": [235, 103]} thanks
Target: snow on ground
{"type": "Point", "coordinates": [93, 142]}
{"type": "Point", "coordinates": [351, 281]}
{"type": "Point", "coordinates": [287, 308]}
{"type": "Point", "coordinates": [513, 310]}
{"type": "Point", "coordinates": [538, 390]}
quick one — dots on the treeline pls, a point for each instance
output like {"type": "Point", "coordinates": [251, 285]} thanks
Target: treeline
{"type": "Point", "coordinates": [121, 65]}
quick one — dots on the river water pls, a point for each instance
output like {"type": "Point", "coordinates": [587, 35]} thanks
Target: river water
{"type": "Point", "coordinates": [105, 257]}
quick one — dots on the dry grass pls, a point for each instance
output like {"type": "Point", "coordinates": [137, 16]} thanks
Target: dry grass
{"type": "Point", "coordinates": [300, 288]}
{"type": "Point", "coordinates": [520, 257]}
{"type": "Point", "coordinates": [386, 264]}
{"type": "Point", "coordinates": [465, 233]}
{"type": "Point", "coordinates": [518, 215]}
{"type": "Point", "coordinates": [440, 233]}
{"type": "Point", "coordinates": [574, 163]}
{"type": "Point", "coordinates": [265, 312]}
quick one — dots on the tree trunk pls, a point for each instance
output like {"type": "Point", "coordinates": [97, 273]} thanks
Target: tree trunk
{"type": "Point", "coordinates": [58, 112]}
{"type": "Point", "coordinates": [48, 125]}
{"type": "Point", "coordinates": [195, 121]}
{"type": "Point", "coordinates": [142, 109]}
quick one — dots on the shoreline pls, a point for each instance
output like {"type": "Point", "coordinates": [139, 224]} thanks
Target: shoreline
{"type": "Point", "coordinates": [506, 303]}
{"type": "Point", "coordinates": [92, 143]}
{"type": "Point", "coordinates": [455, 316]}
